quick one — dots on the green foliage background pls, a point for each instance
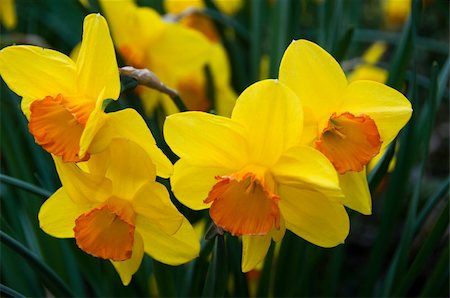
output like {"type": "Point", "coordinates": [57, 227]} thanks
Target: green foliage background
{"type": "Point", "coordinates": [401, 250]}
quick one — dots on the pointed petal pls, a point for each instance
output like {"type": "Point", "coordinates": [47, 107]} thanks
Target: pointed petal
{"type": "Point", "coordinates": [173, 250]}
{"type": "Point", "coordinates": [314, 217]}
{"type": "Point", "coordinates": [254, 249]}
{"type": "Point", "coordinates": [96, 62]}
{"type": "Point", "coordinates": [34, 73]}
{"type": "Point", "coordinates": [316, 78]}
{"type": "Point", "coordinates": [94, 125]}
{"type": "Point", "coordinates": [127, 268]}
{"type": "Point", "coordinates": [153, 202]}
{"type": "Point", "coordinates": [129, 125]}
{"type": "Point", "coordinates": [386, 106]}
{"type": "Point", "coordinates": [80, 186]}
{"type": "Point", "coordinates": [191, 183]}
{"type": "Point", "coordinates": [206, 139]}
{"type": "Point", "coordinates": [126, 164]}
{"type": "Point", "coordinates": [273, 117]}
{"type": "Point", "coordinates": [58, 214]}
{"type": "Point", "coordinates": [303, 166]}
{"type": "Point", "coordinates": [356, 191]}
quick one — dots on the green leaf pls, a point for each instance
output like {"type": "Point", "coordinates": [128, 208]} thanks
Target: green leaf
{"type": "Point", "coordinates": [52, 281]}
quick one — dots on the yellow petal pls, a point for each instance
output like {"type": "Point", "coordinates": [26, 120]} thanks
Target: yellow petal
{"type": "Point", "coordinates": [174, 250]}
{"type": "Point", "coordinates": [374, 53]}
{"type": "Point", "coordinates": [126, 164]}
{"type": "Point", "coordinates": [254, 249]}
{"type": "Point", "coordinates": [58, 214]}
{"type": "Point", "coordinates": [129, 25]}
{"type": "Point", "coordinates": [129, 125]}
{"type": "Point", "coordinates": [192, 183]}
{"type": "Point", "coordinates": [153, 202]}
{"type": "Point", "coordinates": [168, 57]}
{"type": "Point", "coordinates": [178, 6]}
{"type": "Point", "coordinates": [303, 166]}
{"type": "Point", "coordinates": [34, 73]}
{"type": "Point", "coordinates": [127, 268]}
{"type": "Point", "coordinates": [368, 72]}
{"type": "Point", "coordinates": [229, 7]}
{"type": "Point", "coordinates": [206, 139]}
{"type": "Point", "coordinates": [219, 65]}
{"type": "Point", "coordinates": [356, 191]}
{"type": "Point", "coordinates": [386, 106]}
{"type": "Point", "coordinates": [80, 186]}
{"type": "Point", "coordinates": [225, 101]}
{"type": "Point", "coordinates": [312, 216]}
{"type": "Point", "coordinates": [273, 117]}
{"type": "Point", "coordinates": [96, 62]}
{"type": "Point", "coordinates": [316, 78]}
{"type": "Point", "coordinates": [94, 125]}
{"type": "Point", "coordinates": [8, 15]}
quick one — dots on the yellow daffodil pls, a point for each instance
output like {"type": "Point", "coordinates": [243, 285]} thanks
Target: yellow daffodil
{"type": "Point", "coordinates": [8, 16]}
{"type": "Point", "coordinates": [145, 40]}
{"type": "Point", "coordinates": [348, 123]}
{"type": "Point", "coordinates": [63, 99]}
{"type": "Point", "coordinates": [192, 87]}
{"type": "Point", "coordinates": [396, 12]}
{"type": "Point", "coordinates": [252, 174]}
{"type": "Point", "coordinates": [116, 211]}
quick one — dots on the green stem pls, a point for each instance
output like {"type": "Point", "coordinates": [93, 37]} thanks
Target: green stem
{"type": "Point", "coordinates": [10, 292]}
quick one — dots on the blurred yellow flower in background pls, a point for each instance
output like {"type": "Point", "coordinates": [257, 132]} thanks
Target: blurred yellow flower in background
{"type": "Point", "coordinates": [193, 87]}
{"type": "Point", "coordinates": [252, 174]}
{"type": "Point", "coordinates": [115, 210]}
{"type": "Point", "coordinates": [348, 123]}
{"type": "Point", "coordinates": [145, 40]}
{"type": "Point", "coordinates": [8, 16]}
{"type": "Point", "coordinates": [396, 12]}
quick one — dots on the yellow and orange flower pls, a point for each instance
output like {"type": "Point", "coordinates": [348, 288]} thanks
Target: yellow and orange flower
{"type": "Point", "coordinates": [116, 211]}
{"type": "Point", "coordinates": [145, 40]}
{"type": "Point", "coordinates": [63, 98]}
{"type": "Point", "coordinates": [253, 175]}
{"type": "Point", "coordinates": [348, 122]}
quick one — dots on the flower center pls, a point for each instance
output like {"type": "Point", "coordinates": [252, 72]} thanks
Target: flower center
{"type": "Point", "coordinates": [107, 231]}
{"type": "Point", "coordinates": [349, 141]}
{"type": "Point", "coordinates": [57, 126]}
{"type": "Point", "coordinates": [243, 204]}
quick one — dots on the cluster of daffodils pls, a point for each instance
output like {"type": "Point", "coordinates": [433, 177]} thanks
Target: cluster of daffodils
{"type": "Point", "coordinates": [292, 155]}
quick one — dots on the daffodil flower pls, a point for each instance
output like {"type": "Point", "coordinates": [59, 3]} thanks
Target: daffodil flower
{"type": "Point", "coordinates": [252, 174]}
{"type": "Point", "coordinates": [116, 211]}
{"type": "Point", "coordinates": [145, 40]}
{"type": "Point", "coordinates": [348, 123]}
{"type": "Point", "coordinates": [8, 16]}
{"type": "Point", "coordinates": [63, 99]}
